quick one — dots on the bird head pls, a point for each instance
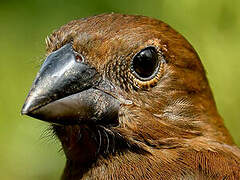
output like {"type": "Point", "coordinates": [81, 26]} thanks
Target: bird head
{"type": "Point", "coordinates": [116, 82]}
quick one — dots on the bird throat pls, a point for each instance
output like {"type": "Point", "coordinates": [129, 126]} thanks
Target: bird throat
{"type": "Point", "coordinates": [84, 143]}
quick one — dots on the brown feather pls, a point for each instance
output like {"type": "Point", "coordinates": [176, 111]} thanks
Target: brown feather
{"type": "Point", "coordinates": [170, 128]}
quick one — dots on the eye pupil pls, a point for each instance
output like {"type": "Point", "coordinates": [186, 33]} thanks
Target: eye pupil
{"type": "Point", "coordinates": [145, 62]}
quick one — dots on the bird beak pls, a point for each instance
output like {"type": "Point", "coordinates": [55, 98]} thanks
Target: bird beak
{"type": "Point", "coordinates": [66, 92]}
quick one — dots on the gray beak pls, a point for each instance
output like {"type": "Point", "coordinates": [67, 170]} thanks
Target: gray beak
{"type": "Point", "coordinates": [66, 92]}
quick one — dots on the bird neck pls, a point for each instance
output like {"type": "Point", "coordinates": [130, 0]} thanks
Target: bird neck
{"type": "Point", "coordinates": [176, 163]}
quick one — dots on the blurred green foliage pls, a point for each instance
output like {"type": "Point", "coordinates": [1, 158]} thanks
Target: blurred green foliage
{"type": "Point", "coordinates": [212, 27]}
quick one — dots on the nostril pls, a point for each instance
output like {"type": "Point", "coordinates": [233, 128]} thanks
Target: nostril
{"type": "Point", "coordinates": [79, 58]}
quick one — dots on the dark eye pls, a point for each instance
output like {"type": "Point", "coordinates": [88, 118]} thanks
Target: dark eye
{"type": "Point", "coordinates": [145, 63]}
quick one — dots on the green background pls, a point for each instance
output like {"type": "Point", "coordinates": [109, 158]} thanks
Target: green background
{"type": "Point", "coordinates": [27, 149]}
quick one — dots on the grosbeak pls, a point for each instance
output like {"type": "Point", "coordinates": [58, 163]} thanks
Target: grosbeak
{"type": "Point", "coordinates": [128, 98]}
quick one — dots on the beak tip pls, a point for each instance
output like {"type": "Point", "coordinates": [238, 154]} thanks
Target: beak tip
{"type": "Point", "coordinates": [24, 110]}
{"type": "Point", "coordinates": [23, 113]}
{"type": "Point", "coordinates": [27, 106]}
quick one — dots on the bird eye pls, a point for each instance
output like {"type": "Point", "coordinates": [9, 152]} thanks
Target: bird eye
{"type": "Point", "coordinates": [145, 63]}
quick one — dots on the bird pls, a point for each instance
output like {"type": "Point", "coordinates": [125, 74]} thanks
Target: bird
{"type": "Point", "coordinates": [128, 98]}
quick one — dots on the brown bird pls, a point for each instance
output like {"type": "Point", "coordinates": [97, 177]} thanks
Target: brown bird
{"type": "Point", "coordinates": [128, 98]}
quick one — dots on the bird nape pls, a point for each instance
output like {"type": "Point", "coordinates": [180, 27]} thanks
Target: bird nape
{"type": "Point", "coordinates": [128, 98]}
